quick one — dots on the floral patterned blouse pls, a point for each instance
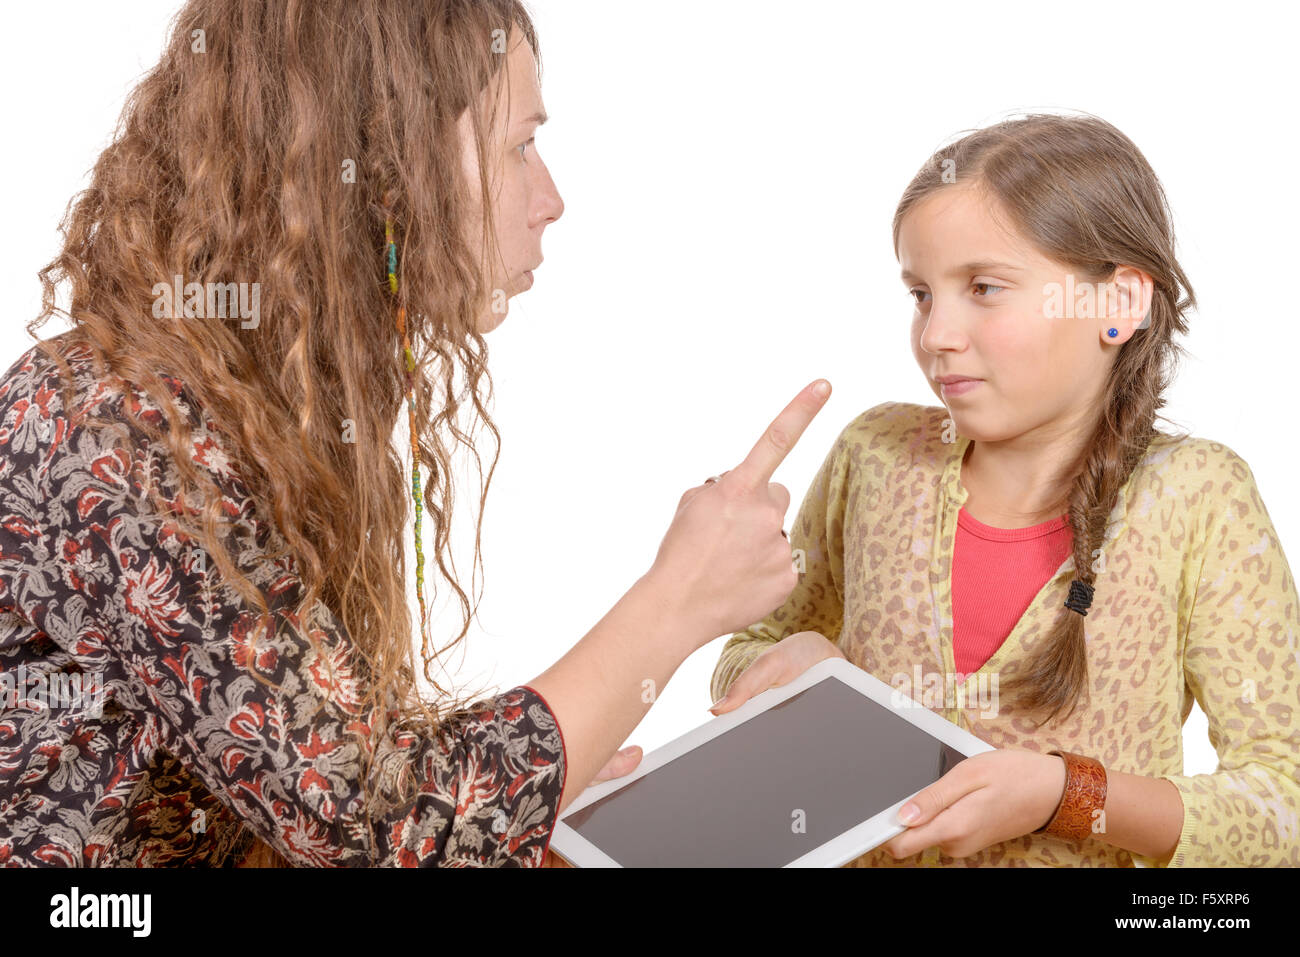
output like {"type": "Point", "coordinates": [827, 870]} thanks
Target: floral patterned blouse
{"type": "Point", "coordinates": [132, 729]}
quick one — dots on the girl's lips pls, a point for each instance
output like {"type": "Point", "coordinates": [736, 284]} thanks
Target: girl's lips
{"type": "Point", "coordinates": [959, 388]}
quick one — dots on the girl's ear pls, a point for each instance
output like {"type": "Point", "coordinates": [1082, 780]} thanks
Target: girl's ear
{"type": "Point", "coordinates": [1128, 307]}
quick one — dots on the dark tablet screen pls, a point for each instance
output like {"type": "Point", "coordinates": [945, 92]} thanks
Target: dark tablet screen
{"type": "Point", "coordinates": [770, 790]}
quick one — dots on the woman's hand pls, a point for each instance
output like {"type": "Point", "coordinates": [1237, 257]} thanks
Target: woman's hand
{"type": "Point", "coordinates": [722, 565]}
{"type": "Point", "coordinates": [782, 663]}
{"type": "Point", "coordinates": [725, 562]}
{"type": "Point", "coordinates": [984, 800]}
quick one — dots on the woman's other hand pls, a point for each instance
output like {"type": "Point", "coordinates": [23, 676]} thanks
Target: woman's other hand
{"type": "Point", "coordinates": [778, 665]}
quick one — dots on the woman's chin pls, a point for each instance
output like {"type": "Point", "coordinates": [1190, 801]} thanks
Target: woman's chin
{"type": "Point", "coordinates": [491, 319]}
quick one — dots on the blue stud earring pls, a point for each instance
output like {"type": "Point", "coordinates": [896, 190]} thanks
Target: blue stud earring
{"type": "Point", "coordinates": [1112, 333]}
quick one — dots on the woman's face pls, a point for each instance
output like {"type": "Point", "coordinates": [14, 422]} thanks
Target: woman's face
{"type": "Point", "coordinates": [525, 200]}
{"type": "Point", "coordinates": [984, 307]}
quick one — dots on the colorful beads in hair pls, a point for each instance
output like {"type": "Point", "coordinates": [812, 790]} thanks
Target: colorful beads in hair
{"type": "Point", "coordinates": [409, 363]}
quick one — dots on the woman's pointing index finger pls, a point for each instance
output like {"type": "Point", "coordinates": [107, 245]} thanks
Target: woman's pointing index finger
{"type": "Point", "coordinates": [780, 437]}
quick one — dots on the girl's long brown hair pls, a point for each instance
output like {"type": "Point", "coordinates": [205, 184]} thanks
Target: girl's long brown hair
{"type": "Point", "coordinates": [259, 149]}
{"type": "Point", "coordinates": [1085, 196]}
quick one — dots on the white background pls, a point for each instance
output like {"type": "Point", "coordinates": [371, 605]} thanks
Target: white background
{"type": "Point", "coordinates": [730, 170]}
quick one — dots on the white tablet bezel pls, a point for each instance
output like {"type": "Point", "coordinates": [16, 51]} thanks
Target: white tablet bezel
{"type": "Point", "coordinates": [853, 843]}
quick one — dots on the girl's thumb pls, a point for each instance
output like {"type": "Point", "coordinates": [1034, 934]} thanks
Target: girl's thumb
{"type": "Point", "coordinates": [731, 695]}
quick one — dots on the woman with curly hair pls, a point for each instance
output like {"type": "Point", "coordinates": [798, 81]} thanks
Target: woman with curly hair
{"type": "Point", "coordinates": [309, 218]}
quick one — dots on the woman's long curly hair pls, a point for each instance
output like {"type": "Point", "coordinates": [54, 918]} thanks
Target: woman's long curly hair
{"type": "Point", "coordinates": [1085, 196]}
{"type": "Point", "coordinates": [260, 149]}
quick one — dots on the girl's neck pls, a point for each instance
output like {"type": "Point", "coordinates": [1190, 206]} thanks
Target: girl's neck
{"type": "Point", "coordinates": [1011, 490]}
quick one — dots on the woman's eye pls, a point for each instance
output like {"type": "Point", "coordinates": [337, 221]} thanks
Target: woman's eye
{"type": "Point", "coordinates": [914, 293]}
{"type": "Point", "coordinates": [523, 148]}
{"type": "Point", "coordinates": [987, 285]}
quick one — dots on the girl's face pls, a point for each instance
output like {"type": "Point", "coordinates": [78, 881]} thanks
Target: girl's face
{"type": "Point", "coordinates": [983, 307]}
{"type": "Point", "coordinates": [525, 200]}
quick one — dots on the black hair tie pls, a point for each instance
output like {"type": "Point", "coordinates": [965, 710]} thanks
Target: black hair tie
{"type": "Point", "coordinates": [1080, 597]}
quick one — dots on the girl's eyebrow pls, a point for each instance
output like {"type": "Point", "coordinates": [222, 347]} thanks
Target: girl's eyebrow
{"type": "Point", "coordinates": [982, 266]}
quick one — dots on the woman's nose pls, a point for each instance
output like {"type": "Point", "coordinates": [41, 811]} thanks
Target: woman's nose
{"type": "Point", "coordinates": [548, 206]}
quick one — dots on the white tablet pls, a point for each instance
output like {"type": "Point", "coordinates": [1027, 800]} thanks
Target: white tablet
{"type": "Point", "coordinates": [808, 774]}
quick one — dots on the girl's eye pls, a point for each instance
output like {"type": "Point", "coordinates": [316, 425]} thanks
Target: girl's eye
{"type": "Point", "coordinates": [523, 148]}
{"type": "Point", "coordinates": [987, 285]}
{"type": "Point", "coordinates": [914, 293]}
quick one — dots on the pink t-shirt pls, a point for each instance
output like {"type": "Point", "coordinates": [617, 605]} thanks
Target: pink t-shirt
{"type": "Point", "coordinates": [996, 574]}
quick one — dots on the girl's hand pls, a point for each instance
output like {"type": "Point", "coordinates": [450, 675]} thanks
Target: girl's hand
{"type": "Point", "coordinates": [984, 800]}
{"type": "Point", "coordinates": [623, 762]}
{"type": "Point", "coordinates": [782, 663]}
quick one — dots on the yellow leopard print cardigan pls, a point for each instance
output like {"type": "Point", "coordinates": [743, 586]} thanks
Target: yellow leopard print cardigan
{"type": "Point", "coordinates": [1194, 599]}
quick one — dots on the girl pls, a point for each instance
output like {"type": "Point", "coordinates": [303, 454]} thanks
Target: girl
{"type": "Point", "coordinates": [202, 512]}
{"type": "Point", "coordinates": [1035, 560]}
